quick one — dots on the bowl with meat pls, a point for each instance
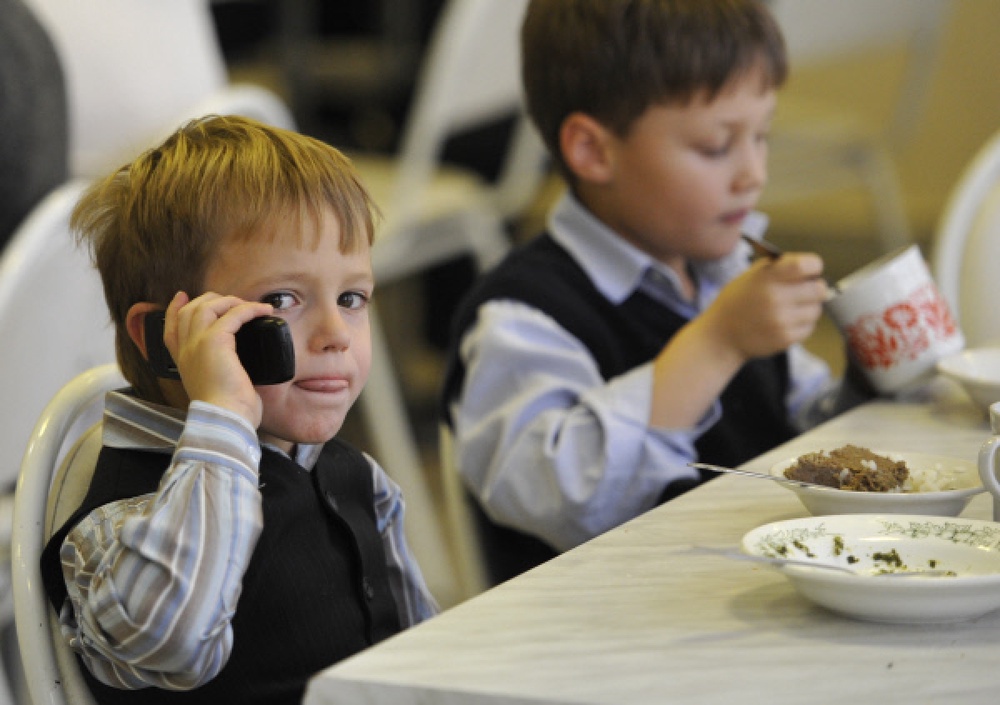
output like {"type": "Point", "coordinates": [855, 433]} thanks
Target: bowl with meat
{"type": "Point", "coordinates": [850, 479]}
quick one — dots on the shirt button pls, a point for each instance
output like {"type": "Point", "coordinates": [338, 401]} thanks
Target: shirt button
{"type": "Point", "coordinates": [366, 585]}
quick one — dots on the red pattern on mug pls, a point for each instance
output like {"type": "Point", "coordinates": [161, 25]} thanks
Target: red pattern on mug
{"type": "Point", "coordinates": [902, 331]}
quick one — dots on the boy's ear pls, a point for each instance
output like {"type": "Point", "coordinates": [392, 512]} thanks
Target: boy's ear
{"type": "Point", "coordinates": [135, 321]}
{"type": "Point", "coordinates": [586, 148]}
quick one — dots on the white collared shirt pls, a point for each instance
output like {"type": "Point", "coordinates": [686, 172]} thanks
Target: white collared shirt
{"type": "Point", "coordinates": [565, 454]}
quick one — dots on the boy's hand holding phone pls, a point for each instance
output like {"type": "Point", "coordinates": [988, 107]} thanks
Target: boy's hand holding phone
{"type": "Point", "coordinates": [206, 336]}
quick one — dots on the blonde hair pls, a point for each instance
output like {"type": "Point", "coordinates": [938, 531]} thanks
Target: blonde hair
{"type": "Point", "coordinates": [154, 225]}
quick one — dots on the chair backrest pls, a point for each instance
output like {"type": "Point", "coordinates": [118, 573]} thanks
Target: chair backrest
{"type": "Point", "coordinates": [469, 76]}
{"type": "Point", "coordinates": [135, 71]}
{"type": "Point", "coordinates": [53, 320]}
{"type": "Point", "coordinates": [54, 475]}
{"type": "Point", "coordinates": [966, 246]}
{"type": "Point", "coordinates": [459, 523]}
{"type": "Point", "coordinates": [819, 31]}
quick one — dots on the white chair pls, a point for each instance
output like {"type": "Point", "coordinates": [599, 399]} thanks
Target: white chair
{"type": "Point", "coordinates": [55, 472]}
{"type": "Point", "coordinates": [459, 522]}
{"type": "Point", "coordinates": [434, 213]}
{"type": "Point", "coordinates": [54, 324]}
{"type": "Point", "coordinates": [53, 319]}
{"type": "Point", "coordinates": [818, 147]}
{"type": "Point", "coordinates": [136, 71]}
{"type": "Point", "coordinates": [966, 246]}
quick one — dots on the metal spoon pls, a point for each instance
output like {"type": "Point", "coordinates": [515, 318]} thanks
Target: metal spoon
{"type": "Point", "coordinates": [761, 475]}
{"type": "Point", "coordinates": [763, 248]}
{"type": "Point", "coordinates": [769, 560]}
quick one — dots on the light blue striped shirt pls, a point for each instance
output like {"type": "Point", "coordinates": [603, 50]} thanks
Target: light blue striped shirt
{"type": "Point", "coordinates": [153, 580]}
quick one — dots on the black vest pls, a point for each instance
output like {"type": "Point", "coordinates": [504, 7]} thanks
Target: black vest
{"type": "Point", "coordinates": [316, 589]}
{"type": "Point", "coordinates": [619, 337]}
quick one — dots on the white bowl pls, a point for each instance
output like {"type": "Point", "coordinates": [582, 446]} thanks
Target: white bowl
{"type": "Point", "coordinates": [959, 476]}
{"type": "Point", "coordinates": [978, 371]}
{"type": "Point", "coordinates": [969, 548]}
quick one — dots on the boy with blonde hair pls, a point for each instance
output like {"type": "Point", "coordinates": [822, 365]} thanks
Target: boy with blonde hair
{"type": "Point", "coordinates": [594, 364]}
{"type": "Point", "coordinates": [230, 546]}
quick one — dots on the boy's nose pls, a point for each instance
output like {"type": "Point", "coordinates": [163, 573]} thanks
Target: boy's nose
{"type": "Point", "coordinates": [752, 169]}
{"type": "Point", "coordinates": [330, 331]}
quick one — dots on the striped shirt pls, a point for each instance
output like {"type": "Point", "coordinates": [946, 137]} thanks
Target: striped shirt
{"type": "Point", "coordinates": [153, 580]}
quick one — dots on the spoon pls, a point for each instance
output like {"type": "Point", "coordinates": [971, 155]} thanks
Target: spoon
{"type": "Point", "coordinates": [763, 248]}
{"type": "Point", "coordinates": [761, 475]}
{"type": "Point", "coordinates": [768, 250]}
{"type": "Point", "coordinates": [781, 562]}
{"type": "Point", "coordinates": [754, 226]}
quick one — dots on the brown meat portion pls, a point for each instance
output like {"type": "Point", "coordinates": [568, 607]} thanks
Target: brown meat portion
{"type": "Point", "coordinates": [850, 468]}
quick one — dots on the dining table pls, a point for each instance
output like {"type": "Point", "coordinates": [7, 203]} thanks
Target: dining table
{"type": "Point", "coordinates": [637, 615]}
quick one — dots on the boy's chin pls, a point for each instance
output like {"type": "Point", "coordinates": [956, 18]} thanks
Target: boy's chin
{"type": "Point", "coordinates": [289, 439]}
{"type": "Point", "coordinates": [716, 250]}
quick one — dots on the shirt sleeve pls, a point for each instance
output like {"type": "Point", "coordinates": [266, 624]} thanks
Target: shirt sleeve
{"type": "Point", "coordinates": [546, 444]}
{"type": "Point", "coordinates": [153, 581]}
{"type": "Point", "coordinates": [813, 390]}
{"type": "Point", "coordinates": [414, 601]}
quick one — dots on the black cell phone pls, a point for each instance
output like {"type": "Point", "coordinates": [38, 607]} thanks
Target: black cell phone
{"type": "Point", "coordinates": [264, 346]}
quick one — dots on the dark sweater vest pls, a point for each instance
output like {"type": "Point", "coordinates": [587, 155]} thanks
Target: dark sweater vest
{"type": "Point", "coordinates": [621, 337]}
{"type": "Point", "coordinates": [316, 589]}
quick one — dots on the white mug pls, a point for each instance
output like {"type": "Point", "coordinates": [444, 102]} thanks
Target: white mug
{"type": "Point", "coordinates": [988, 462]}
{"type": "Point", "coordinates": [896, 323]}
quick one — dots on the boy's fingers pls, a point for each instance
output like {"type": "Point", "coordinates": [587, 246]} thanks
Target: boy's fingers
{"type": "Point", "coordinates": [812, 291]}
{"type": "Point", "coordinates": [210, 308]}
{"type": "Point", "coordinates": [798, 265]}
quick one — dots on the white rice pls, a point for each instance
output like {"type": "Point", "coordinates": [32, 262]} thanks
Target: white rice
{"type": "Point", "coordinates": [936, 478]}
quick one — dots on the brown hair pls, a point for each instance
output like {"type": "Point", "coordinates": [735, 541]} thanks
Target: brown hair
{"type": "Point", "coordinates": [613, 59]}
{"type": "Point", "coordinates": [154, 225]}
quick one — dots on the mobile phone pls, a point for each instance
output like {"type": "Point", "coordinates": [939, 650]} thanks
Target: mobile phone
{"type": "Point", "coordinates": [264, 346]}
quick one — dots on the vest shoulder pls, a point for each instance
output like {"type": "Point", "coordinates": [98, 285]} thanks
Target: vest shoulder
{"type": "Point", "coordinates": [540, 273]}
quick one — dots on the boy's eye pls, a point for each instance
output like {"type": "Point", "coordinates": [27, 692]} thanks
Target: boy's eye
{"type": "Point", "coordinates": [719, 150]}
{"type": "Point", "coordinates": [352, 300]}
{"type": "Point", "coordinates": [281, 300]}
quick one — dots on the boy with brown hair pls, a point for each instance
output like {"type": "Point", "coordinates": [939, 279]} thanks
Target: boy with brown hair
{"type": "Point", "coordinates": [634, 336]}
{"type": "Point", "coordinates": [230, 546]}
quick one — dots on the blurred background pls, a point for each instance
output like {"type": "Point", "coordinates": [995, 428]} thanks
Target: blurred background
{"type": "Point", "coordinates": [887, 103]}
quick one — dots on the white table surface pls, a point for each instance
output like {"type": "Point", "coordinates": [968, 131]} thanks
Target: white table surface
{"type": "Point", "coordinates": [631, 618]}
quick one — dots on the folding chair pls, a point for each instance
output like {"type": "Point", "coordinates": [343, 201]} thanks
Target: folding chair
{"type": "Point", "coordinates": [966, 246]}
{"type": "Point", "coordinates": [55, 474]}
